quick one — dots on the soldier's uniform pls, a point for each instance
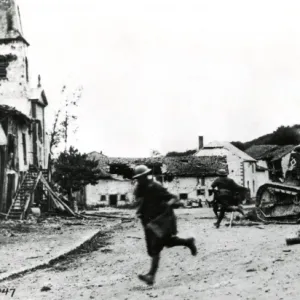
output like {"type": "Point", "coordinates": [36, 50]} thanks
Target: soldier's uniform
{"type": "Point", "coordinates": [155, 212]}
{"type": "Point", "coordinates": [225, 195]}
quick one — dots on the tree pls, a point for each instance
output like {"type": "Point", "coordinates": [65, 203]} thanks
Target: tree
{"type": "Point", "coordinates": [285, 136]}
{"type": "Point", "coordinates": [155, 153]}
{"type": "Point", "coordinates": [74, 170]}
{"type": "Point", "coordinates": [239, 145]}
{"type": "Point", "coordinates": [65, 118]}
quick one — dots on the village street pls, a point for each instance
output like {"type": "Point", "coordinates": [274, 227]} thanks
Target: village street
{"type": "Point", "coordinates": [233, 263]}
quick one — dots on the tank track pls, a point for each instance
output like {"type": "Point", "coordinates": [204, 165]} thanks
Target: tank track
{"type": "Point", "coordinates": [292, 199]}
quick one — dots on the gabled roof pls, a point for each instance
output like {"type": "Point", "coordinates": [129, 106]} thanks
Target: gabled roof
{"type": "Point", "coordinates": [269, 152]}
{"type": "Point", "coordinates": [148, 161]}
{"type": "Point", "coordinates": [194, 165]}
{"type": "Point", "coordinates": [227, 146]}
{"type": "Point", "coordinates": [188, 166]}
{"type": "Point", "coordinates": [282, 151]}
{"type": "Point", "coordinates": [38, 94]}
{"type": "Point", "coordinates": [10, 22]}
{"type": "Point", "coordinates": [260, 151]}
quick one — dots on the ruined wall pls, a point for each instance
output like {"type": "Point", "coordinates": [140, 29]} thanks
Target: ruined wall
{"type": "Point", "coordinates": [99, 194]}
{"type": "Point", "coordinates": [183, 185]}
{"type": "Point", "coordinates": [13, 90]}
{"type": "Point", "coordinates": [285, 163]}
{"type": "Point", "coordinates": [250, 177]}
{"type": "Point", "coordinates": [235, 168]}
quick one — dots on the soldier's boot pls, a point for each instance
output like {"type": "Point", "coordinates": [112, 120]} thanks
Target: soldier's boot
{"type": "Point", "coordinates": [190, 243]}
{"type": "Point", "coordinates": [217, 224]}
{"type": "Point", "coordinates": [220, 218]}
{"type": "Point", "coordinates": [192, 246]}
{"type": "Point", "coordinates": [150, 277]}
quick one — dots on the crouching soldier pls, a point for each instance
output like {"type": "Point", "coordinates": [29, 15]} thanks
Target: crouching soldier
{"type": "Point", "coordinates": [158, 220]}
{"type": "Point", "coordinates": [225, 190]}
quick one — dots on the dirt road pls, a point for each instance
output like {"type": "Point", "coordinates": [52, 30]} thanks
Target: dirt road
{"type": "Point", "coordinates": [236, 263]}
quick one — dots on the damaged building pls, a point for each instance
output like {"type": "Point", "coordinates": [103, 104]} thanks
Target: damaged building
{"type": "Point", "coordinates": [189, 178]}
{"type": "Point", "coordinates": [23, 142]}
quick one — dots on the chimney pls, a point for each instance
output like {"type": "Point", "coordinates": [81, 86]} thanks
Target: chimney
{"type": "Point", "coordinates": [200, 142]}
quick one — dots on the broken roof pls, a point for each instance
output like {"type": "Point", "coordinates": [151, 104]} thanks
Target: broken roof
{"type": "Point", "coordinates": [269, 152]}
{"type": "Point", "coordinates": [188, 166]}
{"type": "Point", "coordinates": [102, 163]}
{"type": "Point", "coordinates": [195, 165]}
{"type": "Point", "coordinates": [10, 21]}
{"type": "Point", "coordinates": [6, 111]}
{"type": "Point", "coordinates": [221, 147]}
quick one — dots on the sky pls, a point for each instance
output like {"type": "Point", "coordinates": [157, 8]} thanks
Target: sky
{"type": "Point", "coordinates": [156, 74]}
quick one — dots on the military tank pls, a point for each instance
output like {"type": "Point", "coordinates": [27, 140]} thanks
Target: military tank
{"type": "Point", "coordinates": [279, 202]}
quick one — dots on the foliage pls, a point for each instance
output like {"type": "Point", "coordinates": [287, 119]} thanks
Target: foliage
{"type": "Point", "coordinates": [178, 154]}
{"type": "Point", "coordinates": [155, 153]}
{"type": "Point", "coordinates": [74, 170]}
{"type": "Point", "coordinates": [283, 135]}
{"type": "Point", "coordinates": [239, 145]}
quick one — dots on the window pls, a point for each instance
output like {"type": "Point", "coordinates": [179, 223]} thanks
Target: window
{"type": "Point", "coordinates": [102, 198]}
{"type": "Point", "coordinates": [183, 196]}
{"type": "Point", "coordinates": [3, 67]}
{"type": "Point", "coordinates": [203, 181]}
{"type": "Point", "coordinates": [24, 148]}
{"type": "Point", "coordinates": [123, 198]}
{"type": "Point", "coordinates": [253, 168]}
{"type": "Point", "coordinates": [253, 184]}
{"type": "Point", "coordinates": [200, 192]}
{"type": "Point", "coordinates": [26, 66]}
{"type": "Point", "coordinates": [40, 132]}
{"type": "Point", "coordinates": [248, 184]}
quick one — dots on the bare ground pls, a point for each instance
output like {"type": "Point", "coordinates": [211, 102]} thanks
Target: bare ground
{"type": "Point", "coordinates": [233, 263]}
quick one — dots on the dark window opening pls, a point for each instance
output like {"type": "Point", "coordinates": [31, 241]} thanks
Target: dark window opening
{"type": "Point", "coordinates": [3, 67]}
{"type": "Point", "coordinates": [123, 198]}
{"type": "Point", "coordinates": [183, 196]}
{"type": "Point", "coordinates": [27, 72]}
{"type": "Point", "coordinates": [203, 181]}
{"type": "Point", "coordinates": [24, 148]}
{"type": "Point", "coordinates": [200, 192]}
{"type": "Point", "coordinates": [40, 132]}
{"type": "Point", "coordinates": [11, 151]}
{"type": "Point", "coordinates": [102, 198]}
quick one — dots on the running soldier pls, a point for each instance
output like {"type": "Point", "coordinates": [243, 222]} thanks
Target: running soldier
{"type": "Point", "coordinates": [158, 220]}
{"type": "Point", "coordinates": [225, 196]}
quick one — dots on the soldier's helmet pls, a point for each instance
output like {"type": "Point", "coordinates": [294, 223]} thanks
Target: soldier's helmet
{"type": "Point", "coordinates": [140, 170]}
{"type": "Point", "coordinates": [222, 172]}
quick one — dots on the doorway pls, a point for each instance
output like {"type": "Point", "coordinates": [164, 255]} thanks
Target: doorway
{"type": "Point", "coordinates": [10, 190]}
{"type": "Point", "coordinates": [113, 200]}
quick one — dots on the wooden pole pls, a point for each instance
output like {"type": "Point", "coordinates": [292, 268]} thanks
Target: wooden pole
{"type": "Point", "coordinates": [231, 219]}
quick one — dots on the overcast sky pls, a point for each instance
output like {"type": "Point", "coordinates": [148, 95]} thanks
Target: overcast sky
{"type": "Point", "coordinates": [157, 73]}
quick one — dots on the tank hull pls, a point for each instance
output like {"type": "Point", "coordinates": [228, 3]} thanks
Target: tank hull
{"type": "Point", "coordinates": [279, 203]}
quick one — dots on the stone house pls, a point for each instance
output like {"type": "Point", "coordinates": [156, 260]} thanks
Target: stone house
{"type": "Point", "coordinates": [274, 158]}
{"type": "Point", "coordinates": [242, 167]}
{"type": "Point", "coordinates": [189, 178]}
{"type": "Point", "coordinates": [23, 141]}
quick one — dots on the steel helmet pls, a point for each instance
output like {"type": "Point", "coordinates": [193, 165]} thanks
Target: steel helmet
{"type": "Point", "coordinates": [222, 172]}
{"type": "Point", "coordinates": [140, 171]}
